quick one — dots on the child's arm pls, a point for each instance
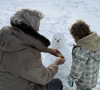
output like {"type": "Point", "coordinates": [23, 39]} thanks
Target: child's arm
{"type": "Point", "coordinates": [79, 63]}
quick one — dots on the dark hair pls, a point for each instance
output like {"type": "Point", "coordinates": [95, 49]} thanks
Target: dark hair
{"type": "Point", "coordinates": [80, 29]}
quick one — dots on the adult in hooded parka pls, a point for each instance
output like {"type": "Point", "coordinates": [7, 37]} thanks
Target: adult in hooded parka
{"type": "Point", "coordinates": [21, 45]}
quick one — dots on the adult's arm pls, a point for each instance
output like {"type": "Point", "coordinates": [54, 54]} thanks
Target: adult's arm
{"type": "Point", "coordinates": [32, 69]}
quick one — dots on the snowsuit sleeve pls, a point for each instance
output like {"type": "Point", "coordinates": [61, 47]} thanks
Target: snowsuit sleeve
{"type": "Point", "coordinates": [79, 63]}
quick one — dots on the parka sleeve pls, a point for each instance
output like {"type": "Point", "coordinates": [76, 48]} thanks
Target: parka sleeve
{"type": "Point", "coordinates": [39, 75]}
{"type": "Point", "coordinates": [32, 69]}
{"type": "Point", "coordinates": [79, 63]}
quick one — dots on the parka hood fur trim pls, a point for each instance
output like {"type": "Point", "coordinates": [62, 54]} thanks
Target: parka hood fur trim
{"type": "Point", "coordinates": [28, 30]}
{"type": "Point", "coordinates": [14, 39]}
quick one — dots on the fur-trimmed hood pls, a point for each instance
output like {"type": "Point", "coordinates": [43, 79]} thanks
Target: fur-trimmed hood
{"type": "Point", "coordinates": [14, 39]}
{"type": "Point", "coordinates": [91, 42]}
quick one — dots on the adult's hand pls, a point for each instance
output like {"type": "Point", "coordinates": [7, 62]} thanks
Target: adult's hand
{"type": "Point", "coordinates": [59, 61]}
{"type": "Point", "coordinates": [54, 52]}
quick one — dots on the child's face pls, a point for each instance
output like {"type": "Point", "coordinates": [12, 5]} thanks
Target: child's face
{"type": "Point", "coordinates": [76, 39]}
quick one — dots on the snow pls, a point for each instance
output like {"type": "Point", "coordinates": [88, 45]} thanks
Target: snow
{"type": "Point", "coordinates": [59, 15]}
{"type": "Point", "coordinates": [58, 42]}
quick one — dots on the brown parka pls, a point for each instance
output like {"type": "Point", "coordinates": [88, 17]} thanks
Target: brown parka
{"type": "Point", "coordinates": [21, 67]}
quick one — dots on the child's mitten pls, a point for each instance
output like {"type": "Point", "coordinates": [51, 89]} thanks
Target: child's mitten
{"type": "Point", "coordinates": [71, 83]}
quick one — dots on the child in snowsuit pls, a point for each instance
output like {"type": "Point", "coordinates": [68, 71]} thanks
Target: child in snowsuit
{"type": "Point", "coordinates": [86, 57]}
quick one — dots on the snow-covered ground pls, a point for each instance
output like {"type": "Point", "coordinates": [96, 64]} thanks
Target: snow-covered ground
{"type": "Point", "coordinates": [59, 15]}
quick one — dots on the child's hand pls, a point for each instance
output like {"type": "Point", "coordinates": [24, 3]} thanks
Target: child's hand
{"type": "Point", "coordinates": [71, 83]}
